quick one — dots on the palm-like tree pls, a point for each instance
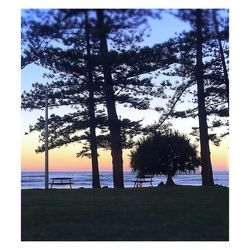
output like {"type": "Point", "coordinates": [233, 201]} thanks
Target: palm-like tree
{"type": "Point", "coordinates": [164, 154]}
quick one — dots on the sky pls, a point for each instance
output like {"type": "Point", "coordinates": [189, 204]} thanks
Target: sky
{"type": "Point", "coordinates": [12, 137]}
{"type": "Point", "coordinates": [64, 158]}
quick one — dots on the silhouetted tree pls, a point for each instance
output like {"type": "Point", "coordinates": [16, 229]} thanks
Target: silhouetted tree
{"type": "Point", "coordinates": [199, 66]}
{"type": "Point", "coordinates": [71, 83]}
{"type": "Point", "coordinates": [115, 26]}
{"type": "Point", "coordinates": [114, 123]}
{"type": "Point", "coordinates": [207, 174]}
{"type": "Point", "coordinates": [91, 99]}
{"type": "Point", "coordinates": [164, 154]}
{"type": "Point", "coordinates": [70, 73]}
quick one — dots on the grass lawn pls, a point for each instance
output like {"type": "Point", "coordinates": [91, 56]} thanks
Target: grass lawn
{"type": "Point", "coordinates": [179, 213]}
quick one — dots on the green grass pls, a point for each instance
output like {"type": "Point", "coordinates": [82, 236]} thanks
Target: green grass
{"type": "Point", "coordinates": [182, 213]}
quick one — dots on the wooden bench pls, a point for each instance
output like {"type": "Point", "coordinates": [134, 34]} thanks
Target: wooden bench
{"type": "Point", "coordinates": [61, 181]}
{"type": "Point", "coordinates": [143, 179]}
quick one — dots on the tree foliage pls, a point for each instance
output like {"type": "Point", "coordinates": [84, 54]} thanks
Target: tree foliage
{"type": "Point", "coordinates": [164, 154]}
{"type": "Point", "coordinates": [215, 66]}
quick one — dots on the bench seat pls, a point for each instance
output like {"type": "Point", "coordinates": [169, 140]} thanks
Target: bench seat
{"type": "Point", "coordinates": [59, 183]}
{"type": "Point", "coordinates": [142, 181]}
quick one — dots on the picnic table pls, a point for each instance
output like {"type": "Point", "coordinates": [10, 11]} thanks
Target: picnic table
{"type": "Point", "coordinates": [140, 179]}
{"type": "Point", "coordinates": [61, 181]}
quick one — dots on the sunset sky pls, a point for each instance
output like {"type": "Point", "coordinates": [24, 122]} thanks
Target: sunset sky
{"type": "Point", "coordinates": [64, 158]}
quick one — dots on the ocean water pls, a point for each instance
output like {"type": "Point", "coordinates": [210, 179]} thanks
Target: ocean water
{"type": "Point", "coordinates": [35, 180]}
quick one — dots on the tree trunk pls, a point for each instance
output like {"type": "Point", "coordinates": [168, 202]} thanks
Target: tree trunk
{"type": "Point", "coordinates": [114, 122]}
{"type": "Point", "coordinates": [216, 25]}
{"type": "Point", "coordinates": [207, 173]}
{"type": "Point", "coordinates": [170, 181]}
{"type": "Point", "coordinates": [92, 119]}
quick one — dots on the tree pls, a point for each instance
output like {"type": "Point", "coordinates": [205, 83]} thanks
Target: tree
{"type": "Point", "coordinates": [115, 27]}
{"type": "Point", "coordinates": [91, 99]}
{"type": "Point", "coordinates": [201, 76]}
{"type": "Point", "coordinates": [73, 85]}
{"type": "Point", "coordinates": [114, 123]}
{"type": "Point", "coordinates": [164, 154]}
{"type": "Point", "coordinates": [207, 172]}
{"type": "Point", "coordinates": [69, 74]}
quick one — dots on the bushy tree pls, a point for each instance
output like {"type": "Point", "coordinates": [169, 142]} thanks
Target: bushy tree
{"type": "Point", "coordinates": [164, 154]}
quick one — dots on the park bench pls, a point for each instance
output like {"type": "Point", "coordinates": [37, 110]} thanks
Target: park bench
{"type": "Point", "coordinates": [140, 179]}
{"type": "Point", "coordinates": [62, 181]}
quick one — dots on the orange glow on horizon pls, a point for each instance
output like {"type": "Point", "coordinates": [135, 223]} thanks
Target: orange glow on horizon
{"type": "Point", "coordinates": [64, 158]}
{"type": "Point", "coordinates": [220, 156]}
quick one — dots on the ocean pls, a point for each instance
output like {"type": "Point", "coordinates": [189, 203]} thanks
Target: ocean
{"type": "Point", "coordinates": [35, 180]}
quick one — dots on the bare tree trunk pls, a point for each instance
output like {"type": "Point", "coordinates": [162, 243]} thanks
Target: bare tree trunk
{"type": "Point", "coordinates": [207, 172]}
{"type": "Point", "coordinates": [170, 182]}
{"type": "Point", "coordinates": [93, 141]}
{"type": "Point", "coordinates": [114, 122]}
{"type": "Point", "coordinates": [216, 25]}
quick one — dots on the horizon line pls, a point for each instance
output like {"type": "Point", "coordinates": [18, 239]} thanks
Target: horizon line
{"type": "Point", "coordinates": [78, 171]}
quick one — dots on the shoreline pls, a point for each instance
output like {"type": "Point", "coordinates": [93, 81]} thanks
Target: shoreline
{"type": "Point", "coordinates": [32, 180]}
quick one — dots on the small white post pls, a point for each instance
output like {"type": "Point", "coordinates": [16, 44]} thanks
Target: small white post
{"type": "Point", "coordinates": [46, 141]}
